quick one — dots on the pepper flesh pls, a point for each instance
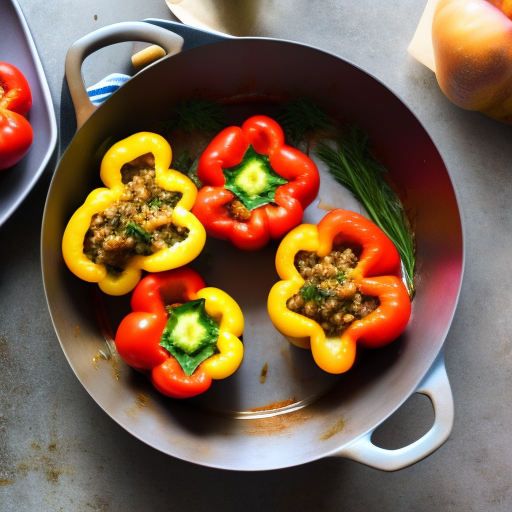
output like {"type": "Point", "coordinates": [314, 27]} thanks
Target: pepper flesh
{"type": "Point", "coordinates": [268, 221]}
{"type": "Point", "coordinates": [139, 334]}
{"type": "Point", "coordinates": [99, 199]}
{"type": "Point", "coordinates": [376, 274]}
{"type": "Point", "coordinates": [472, 44]}
{"type": "Point", "coordinates": [16, 134]}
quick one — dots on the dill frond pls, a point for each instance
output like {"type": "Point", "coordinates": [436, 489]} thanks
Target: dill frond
{"type": "Point", "coordinates": [302, 116]}
{"type": "Point", "coordinates": [351, 164]}
{"type": "Point", "coordinates": [203, 115]}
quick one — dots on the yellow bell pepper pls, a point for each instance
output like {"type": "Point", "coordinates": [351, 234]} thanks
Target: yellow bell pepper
{"type": "Point", "coordinates": [376, 274]}
{"type": "Point", "coordinates": [99, 199]}
{"type": "Point", "coordinates": [219, 305]}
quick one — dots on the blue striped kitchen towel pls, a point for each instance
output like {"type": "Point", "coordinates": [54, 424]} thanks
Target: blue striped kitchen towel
{"type": "Point", "coordinates": [99, 92]}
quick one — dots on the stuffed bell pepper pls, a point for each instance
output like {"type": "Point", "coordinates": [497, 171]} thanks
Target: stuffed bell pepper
{"type": "Point", "coordinates": [140, 221]}
{"type": "Point", "coordinates": [340, 286]}
{"type": "Point", "coordinates": [255, 187]}
{"type": "Point", "coordinates": [181, 333]}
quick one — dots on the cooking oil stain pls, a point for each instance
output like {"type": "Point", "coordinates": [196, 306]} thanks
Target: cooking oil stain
{"type": "Point", "coordinates": [280, 424]}
{"type": "Point", "coordinates": [100, 355]}
{"type": "Point", "coordinates": [275, 405]}
{"type": "Point", "coordinates": [140, 401]}
{"type": "Point", "coordinates": [334, 429]}
{"type": "Point", "coordinates": [105, 355]}
{"type": "Point", "coordinates": [110, 352]}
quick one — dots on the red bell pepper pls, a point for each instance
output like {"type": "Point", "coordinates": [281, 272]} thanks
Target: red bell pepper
{"type": "Point", "coordinates": [253, 166]}
{"type": "Point", "coordinates": [182, 333]}
{"type": "Point", "coordinates": [15, 101]}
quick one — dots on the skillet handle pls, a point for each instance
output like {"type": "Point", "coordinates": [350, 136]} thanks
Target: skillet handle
{"type": "Point", "coordinates": [437, 387]}
{"type": "Point", "coordinates": [117, 33]}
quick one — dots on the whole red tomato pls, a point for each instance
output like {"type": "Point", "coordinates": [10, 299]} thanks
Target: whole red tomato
{"type": "Point", "coordinates": [15, 101]}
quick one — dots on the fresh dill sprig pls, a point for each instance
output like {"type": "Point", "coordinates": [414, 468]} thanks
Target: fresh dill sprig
{"type": "Point", "coordinates": [203, 115]}
{"type": "Point", "coordinates": [300, 116]}
{"type": "Point", "coordinates": [183, 162]}
{"type": "Point", "coordinates": [186, 165]}
{"type": "Point", "coordinates": [350, 163]}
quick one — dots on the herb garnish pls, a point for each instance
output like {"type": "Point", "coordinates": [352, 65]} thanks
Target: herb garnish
{"type": "Point", "coordinates": [310, 292]}
{"type": "Point", "coordinates": [187, 166]}
{"type": "Point", "coordinates": [350, 162]}
{"type": "Point", "coordinates": [196, 114]}
{"type": "Point", "coordinates": [341, 277]}
{"type": "Point", "coordinates": [203, 117]}
{"type": "Point", "coordinates": [301, 116]}
{"type": "Point", "coordinates": [138, 232]}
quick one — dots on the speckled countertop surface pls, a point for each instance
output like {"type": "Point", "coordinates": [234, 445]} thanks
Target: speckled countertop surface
{"type": "Point", "coordinates": [60, 452]}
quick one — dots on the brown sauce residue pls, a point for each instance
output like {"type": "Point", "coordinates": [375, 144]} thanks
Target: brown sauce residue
{"type": "Point", "coordinates": [106, 356]}
{"type": "Point", "coordinates": [275, 405]}
{"type": "Point", "coordinates": [263, 375]}
{"type": "Point", "coordinates": [96, 359]}
{"type": "Point", "coordinates": [110, 352]}
{"type": "Point", "coordinates": [280, 424]}
{"type": "Point", "coordinates": [141, 401]}
{"type": "Point", "coordinates": [334, 429]}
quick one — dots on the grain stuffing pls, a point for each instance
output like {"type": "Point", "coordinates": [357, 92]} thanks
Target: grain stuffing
{"type": "Point", "coordinates": [138, 223]}
{"type": "Point", "coordinates": [329, 296]}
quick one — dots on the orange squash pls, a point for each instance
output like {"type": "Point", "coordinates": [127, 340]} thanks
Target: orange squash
{"type": "Point", "coordinates": [472, 50]}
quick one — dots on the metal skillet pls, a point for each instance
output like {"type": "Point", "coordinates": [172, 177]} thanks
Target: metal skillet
{"type": "Point", "coordinates": [298, 413]}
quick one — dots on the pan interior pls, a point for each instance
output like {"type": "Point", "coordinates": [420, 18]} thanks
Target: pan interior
{"type": "Point", "coordinates": [297, 413]}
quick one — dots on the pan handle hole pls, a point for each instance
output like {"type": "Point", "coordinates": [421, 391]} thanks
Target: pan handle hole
{"type": "Point", "coordinates": [116, 58]}
{"type": "Point", "coordinates": [408, 424]}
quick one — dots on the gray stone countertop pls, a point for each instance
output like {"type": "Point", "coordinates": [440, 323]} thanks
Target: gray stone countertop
{"type": "Point", "coordinates": [60, 452]}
